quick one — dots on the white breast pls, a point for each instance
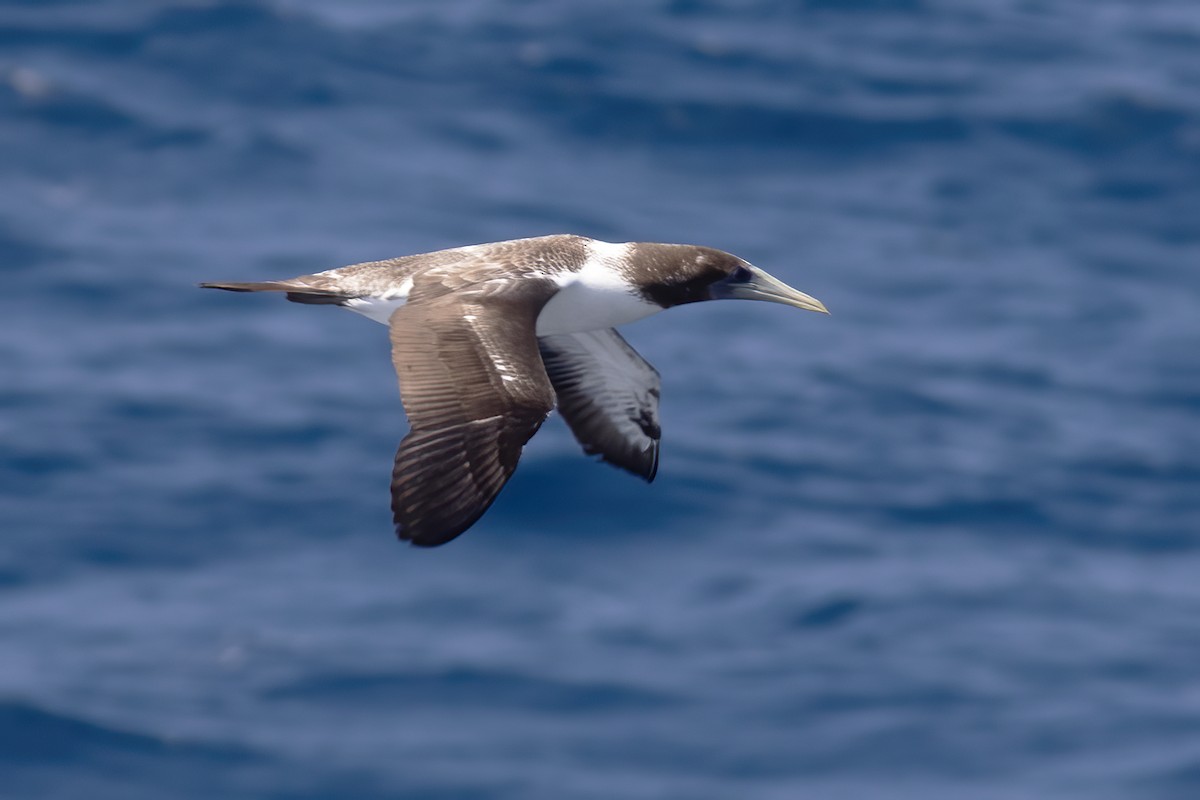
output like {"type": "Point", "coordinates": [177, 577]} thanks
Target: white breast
{"type": "Point", "coordinates": [595, 297]}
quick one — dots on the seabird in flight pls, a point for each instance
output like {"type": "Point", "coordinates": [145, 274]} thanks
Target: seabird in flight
{"type": "Point", "coordinates": [488, 339]}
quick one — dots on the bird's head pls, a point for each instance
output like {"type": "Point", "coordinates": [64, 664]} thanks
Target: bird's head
{"type": "Point", "coordinates": [681, 274]}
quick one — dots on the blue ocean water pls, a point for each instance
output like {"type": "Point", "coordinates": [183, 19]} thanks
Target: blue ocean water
{"type": "Point", "coordinates": [942, 544]}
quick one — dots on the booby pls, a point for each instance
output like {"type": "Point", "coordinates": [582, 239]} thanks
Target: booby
{"type": "Point", "coordinates": [488, 339]}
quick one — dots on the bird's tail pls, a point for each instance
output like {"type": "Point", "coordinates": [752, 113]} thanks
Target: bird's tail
{"type": "Point", "coordinates": [260, 286]}
{"type": "Point", "coordinates": [295, 292]}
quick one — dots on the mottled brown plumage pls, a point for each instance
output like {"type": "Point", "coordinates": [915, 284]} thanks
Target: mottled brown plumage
{"type": "Point", "coordinates": [437, 273]}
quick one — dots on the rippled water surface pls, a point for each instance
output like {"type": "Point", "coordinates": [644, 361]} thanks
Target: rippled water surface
{"type": "Point", "coordinates": [944, 543]}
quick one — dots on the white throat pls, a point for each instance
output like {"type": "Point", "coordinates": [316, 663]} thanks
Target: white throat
{"type": "Point", "coordinates": [595, 297]}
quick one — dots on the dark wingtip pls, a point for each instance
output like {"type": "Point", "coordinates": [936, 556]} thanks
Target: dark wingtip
{"type": "Point", "coordinates": [419, 540]}
{"type": "Point", "coordinates": [631, 466]}
{"type": "Point", "coordinates": [403, 535]}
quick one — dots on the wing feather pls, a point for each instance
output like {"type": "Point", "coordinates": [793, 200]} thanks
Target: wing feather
{"type": "Point", "coordinates": [608, 394]}
{"type": "Point", "coordinates": [475, 391]}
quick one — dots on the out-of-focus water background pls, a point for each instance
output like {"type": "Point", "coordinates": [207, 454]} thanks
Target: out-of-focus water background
{"type": "Point", "coordinates": [942, 544]}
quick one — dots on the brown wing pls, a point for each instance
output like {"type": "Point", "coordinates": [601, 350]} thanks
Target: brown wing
{"type": "Point", "coordinates": [608, 394]}
{"type": "Point", "coordinates": [475, 391]}
{"type": "Point", "coordinates": [443, 271]}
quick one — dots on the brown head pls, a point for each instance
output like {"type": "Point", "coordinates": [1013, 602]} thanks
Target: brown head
{"type": "Point", "coordinates": [675, 274]}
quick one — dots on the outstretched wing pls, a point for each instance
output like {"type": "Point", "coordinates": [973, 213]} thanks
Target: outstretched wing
{"type": "Point", "coordinates": [475, 391]}
{"type": "Point", "coordinates": [608, 394]}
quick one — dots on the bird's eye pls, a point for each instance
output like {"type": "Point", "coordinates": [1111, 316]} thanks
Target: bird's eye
{"type": "Point", "coordinates": [740, 275]}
